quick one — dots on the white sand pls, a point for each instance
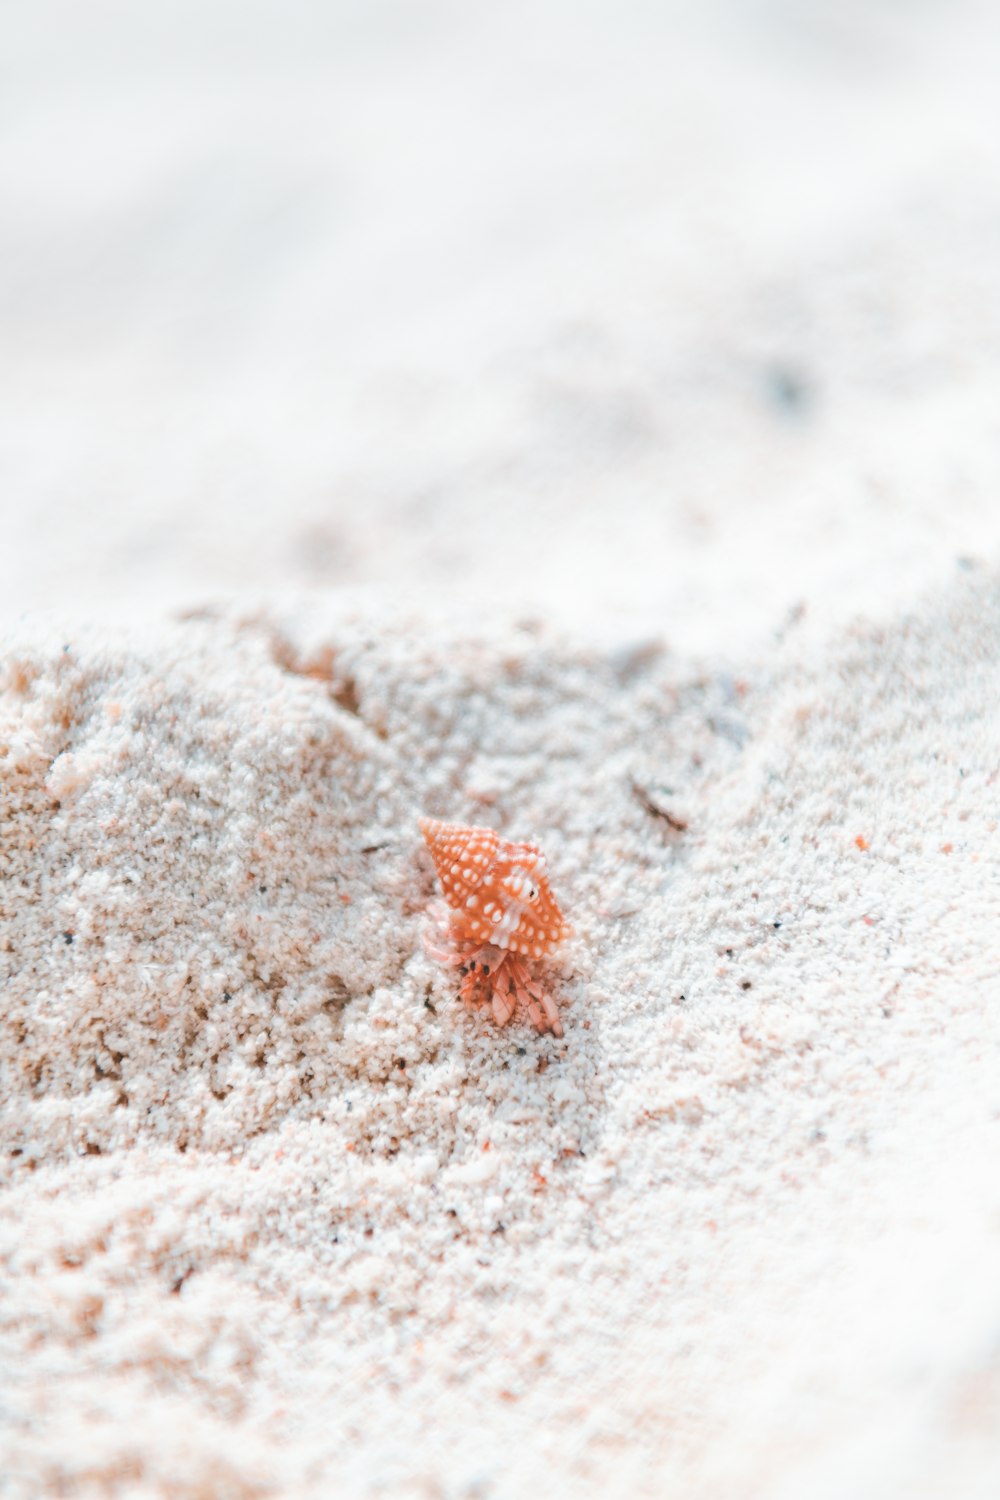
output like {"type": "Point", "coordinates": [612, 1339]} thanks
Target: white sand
{"type": "Point", "coordinates": [516, 434]}
{"type": "Point", "coordinates": [749, 1205]}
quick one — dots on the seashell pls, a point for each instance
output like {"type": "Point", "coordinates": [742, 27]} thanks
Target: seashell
{"type": "Point", "coordinates": [500, 914]}
{"type": "Point", "coordinates": [499, 890]}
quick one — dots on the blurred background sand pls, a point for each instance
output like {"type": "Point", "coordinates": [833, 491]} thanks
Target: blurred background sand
{"type": "Point", "coordinates": [686, 313]}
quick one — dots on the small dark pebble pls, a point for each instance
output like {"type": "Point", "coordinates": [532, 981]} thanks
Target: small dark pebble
{"type": "Point", "coordinates": [68, 936]}
{"type": "Point", "coordinates": [775, 924]}
{"type": "Point", "coordinates": [745, 984]}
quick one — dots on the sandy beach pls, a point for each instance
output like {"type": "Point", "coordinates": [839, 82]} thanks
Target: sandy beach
{"type": "Point", "coordinates": [579, 422]}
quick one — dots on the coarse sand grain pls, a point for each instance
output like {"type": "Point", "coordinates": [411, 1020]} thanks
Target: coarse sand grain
{"type": "Point", "coordinates": [278, 1218]}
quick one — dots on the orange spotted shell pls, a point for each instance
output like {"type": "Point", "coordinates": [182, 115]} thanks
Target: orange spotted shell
{"type": "Point", "coordinates": [498, 891]}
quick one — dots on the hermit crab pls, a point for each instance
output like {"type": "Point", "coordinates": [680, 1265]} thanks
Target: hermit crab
{"type": "Point", "coordinates": [498, 915]}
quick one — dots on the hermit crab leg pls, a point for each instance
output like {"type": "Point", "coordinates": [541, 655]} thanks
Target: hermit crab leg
{"type": "Point", "coordinates": [450, 957]}
{"type": "Point", "coordinates": [504, 1006]}
{"type": "Point", "coordinates": [551, 1013]}
{"type": "Point", "coordinates": [541, 1006]}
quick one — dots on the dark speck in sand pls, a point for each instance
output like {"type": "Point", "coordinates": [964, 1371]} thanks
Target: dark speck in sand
{"type": "Point", "coordinates": [789, 389]}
